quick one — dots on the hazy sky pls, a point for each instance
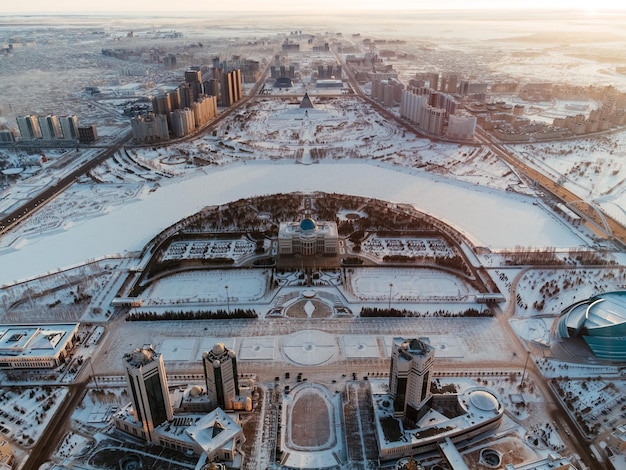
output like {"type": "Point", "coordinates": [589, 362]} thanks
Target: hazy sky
{"type": "Point", "coordinates": [148, 6]}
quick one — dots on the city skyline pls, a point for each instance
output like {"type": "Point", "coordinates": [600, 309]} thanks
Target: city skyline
{"type": "Point", "coordinates": [143, 6]}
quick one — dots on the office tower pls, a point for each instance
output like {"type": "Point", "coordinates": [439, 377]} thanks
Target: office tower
{"type": "Point", "coordinates": [147, 383]}
{"type": "Point", "coordinates": [28, 127]}
{"type": "Point", "coordinates": [69, 126]}
{"type": "Point", "coordinates": [409, 379]}
{"type": "Point", "coordinates": [220, 373]}
{"type": "Point", "coordinates": [50, 127]}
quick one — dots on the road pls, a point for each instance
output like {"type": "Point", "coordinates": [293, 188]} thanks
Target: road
{"type": "Point", "coordinates": [599, 222]}
{"type": "Point", "coordinates": [56, 428]}
{"type": "Point", "coordinates": [16, 216]}
{"type": "Point", "coordinates": [13, 218]}
{"type": "Point", "coordinates": [596, 219]}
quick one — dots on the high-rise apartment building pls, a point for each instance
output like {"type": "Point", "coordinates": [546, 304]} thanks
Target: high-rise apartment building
{"type": "Point", "coordinates": [69, 127]}
{"type": "Point", "coordinates": [461, 127]}
{"type": "Point", "coordinates": [193, 76]}
{"type": "Point", "coordinates": [411, 105]}
{"type": "Point", "coordinates": [204, 109]}
{"type": "Point", "coordinates": [409, 379]}
{"type": "Point", "coordinates": [147, 384]}
{"type": "Point", "coordinates": [432, 120]}
{"type": "Point", "coordinates": [220, 373]}
{"type": "Point", "coordinates": [29, 127]}
{"type": "Point", "coordinates": [50, 127]}
{"type": "Point", "coordinates": [162, 104]}
{"type": "Point", "coordinates": [183, 122]}
{"type": "Point", "coordinates": [150, 128]}
{"type": "Point", "coordinates": [230, 88]}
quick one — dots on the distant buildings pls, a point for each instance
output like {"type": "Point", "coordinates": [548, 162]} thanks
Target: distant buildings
{"type": "Point", "coordinates": [307, 238]}
{"type": "Point", "coordinates": [191, 105]}
{"type": "Point", "coordinates": [388, 91]}
{"type": "Point", "coordinates": [434, 112]}
{"type": "Point", "coordinates": [52, 129]}
{"type": "Point", "coordinates": [36, 347]}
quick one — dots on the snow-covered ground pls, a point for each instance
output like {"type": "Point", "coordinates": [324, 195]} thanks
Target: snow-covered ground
{"type": "Point", "coordinates": [271, 146]}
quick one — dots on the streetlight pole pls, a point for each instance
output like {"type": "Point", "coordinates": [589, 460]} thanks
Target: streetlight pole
{"type": "Point", "coordinates": [93, 374]}
{"type": "Point", "coordinates": [390, 287]}
{"type": "Point", "coordinates": [524, 372]}
{"type": "Point", "coordinates": [227, 300]}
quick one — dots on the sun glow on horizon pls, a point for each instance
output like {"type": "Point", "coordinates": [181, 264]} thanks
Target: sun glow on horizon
{"type": "Point", "coordinates": [323, 6]}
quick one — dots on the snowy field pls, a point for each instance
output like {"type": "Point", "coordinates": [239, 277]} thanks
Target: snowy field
{"type": "Point", "coordinates": [208, 287]}
{"type": "Point", "coordinates": [593, 168]}
{"type": "Point", "coordinates": [342, 147]}
{"type": "Point", "coordinates": [406, 285]}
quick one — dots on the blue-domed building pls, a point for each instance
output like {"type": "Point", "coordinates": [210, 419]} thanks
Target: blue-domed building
{"type": "Point", "coordinates": [307, 237]}
{"type": "Point", "coordinates": [601, 321]}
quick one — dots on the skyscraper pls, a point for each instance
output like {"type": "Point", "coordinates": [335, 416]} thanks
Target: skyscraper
{"type": "Point", "coordinates": [28, 127]}
{"type": "Point", "coordinates": [69, 126]}
{"type": "Point", "coordinates": [147, 383]}
{"type": "Point", "coordinates": [230, 88]}
{"type": "Point", "coordinates": [50, 127]}
{"type": "Point", "coordinates": [409, 379]}
{"type": "Point", "coordinates": [220, 373]}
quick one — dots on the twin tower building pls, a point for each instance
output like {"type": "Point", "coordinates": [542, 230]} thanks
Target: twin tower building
{"type": "Point", "coordinates": [150, 395]}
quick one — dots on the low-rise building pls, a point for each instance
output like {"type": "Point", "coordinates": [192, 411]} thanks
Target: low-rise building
{"type": "Point", "coordinates": [36, 346]}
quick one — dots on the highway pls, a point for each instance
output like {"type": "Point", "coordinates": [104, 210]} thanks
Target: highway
{"type": "Point", "coordinates": [600, 223]}
{"type": "Point", "coordinates": [16, 216]}
{"type": "Point", "coordinates": [595, 219]}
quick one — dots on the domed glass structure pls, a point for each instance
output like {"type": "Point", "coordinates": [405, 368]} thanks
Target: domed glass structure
{"type": "Point", "coordinates": [308, 224]}
{"type": "Point", "coordinates": [601, 321]}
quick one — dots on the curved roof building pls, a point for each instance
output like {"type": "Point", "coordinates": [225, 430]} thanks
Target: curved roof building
{"type": "Point", "coordinates": [601, 321]}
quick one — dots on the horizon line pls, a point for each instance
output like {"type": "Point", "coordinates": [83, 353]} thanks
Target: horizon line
{"type": "Point", "coordinates": [188, 12]}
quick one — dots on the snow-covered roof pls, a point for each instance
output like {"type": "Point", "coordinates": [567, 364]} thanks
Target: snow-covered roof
{"type": "Point", "coordinates": [33, 340]}
{"type": "Point", "coordinates": [214, 431]}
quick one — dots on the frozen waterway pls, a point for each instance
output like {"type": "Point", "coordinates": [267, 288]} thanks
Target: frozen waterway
{"type": "Point", "coordinates": [491, 218]}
